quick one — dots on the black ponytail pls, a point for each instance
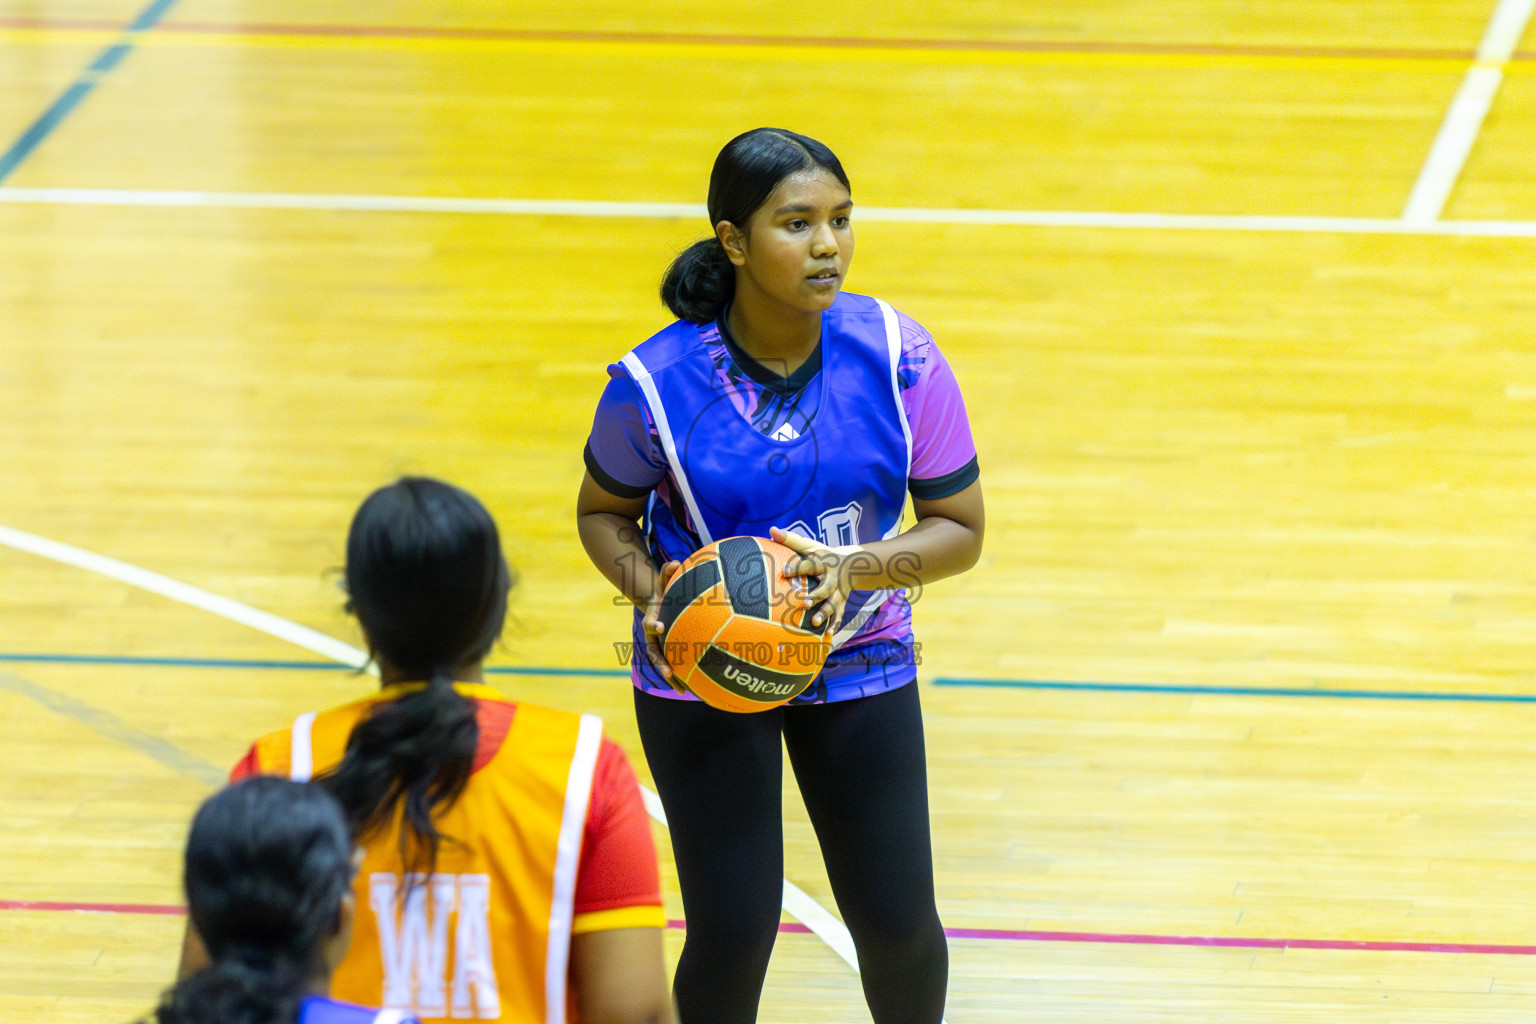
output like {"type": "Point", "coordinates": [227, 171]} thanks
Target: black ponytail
{"type": "Point", "coordinates": [417, 751]}
{"type": "Point", "coordinates": [268, 861]}
{"type": "Point", "coordinates": [700, 282]}
{"type": "Point", "coordinates": [428, 584]}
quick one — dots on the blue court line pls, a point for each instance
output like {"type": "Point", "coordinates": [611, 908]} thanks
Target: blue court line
{"type": "Point", "coordinates": [65, 105]}
{"type": "Point", "coordinates": [1243, 691]}
{"type": "Point", "coordinates": [546, 670]}
{"type": "Point", "coordinates": [124, 659]}
{"type": "Point", "coordinates": [256, 663]}
{"type": "Point", "coordinates": [1015, 684]}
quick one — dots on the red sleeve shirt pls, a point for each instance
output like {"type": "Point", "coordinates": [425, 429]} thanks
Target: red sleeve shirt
{"type": "Point", "coordinates": [250, 764]}
{"type": "Point", "coordinates": [617, 882]}
{"type": "Point", "coordinates": [618, 855]}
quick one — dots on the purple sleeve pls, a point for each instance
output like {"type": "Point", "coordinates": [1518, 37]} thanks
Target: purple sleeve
{"type": "Point", "coordinates": [623, 451]}
{"type": "Point", "coordinates": [943, 453]}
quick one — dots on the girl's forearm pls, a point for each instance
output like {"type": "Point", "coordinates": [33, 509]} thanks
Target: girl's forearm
{"type": "Point", "coordinates": [616, 546]}
{"type": "Point", "coordinates": [934, 548]}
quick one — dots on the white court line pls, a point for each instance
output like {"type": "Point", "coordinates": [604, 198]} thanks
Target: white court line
{"type": "Point", "coordinates": [301, 636]}
{"type": "Point", "coordinates": [1464, 118]}
{"type": "Point", "coordinates": [799, 905]}
{"type": "Point", "coordinates": [674, 211]}
{"type": "Point", "coordinates": [308, 201]}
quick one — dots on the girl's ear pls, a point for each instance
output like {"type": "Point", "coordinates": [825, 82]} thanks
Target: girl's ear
{"type": "Point", "coordinates": [733, 242]}
{"type": "Point", "coordinates": [334, 947]}
{"type": "Point", "coordinates": [346, 911]}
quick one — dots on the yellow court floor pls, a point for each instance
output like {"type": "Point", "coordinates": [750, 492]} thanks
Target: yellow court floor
{"type": "Point", "coordinates": [1231, 724]}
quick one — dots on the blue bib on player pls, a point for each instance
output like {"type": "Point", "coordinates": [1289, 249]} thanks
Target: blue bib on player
{"type": "Point", "coordinates": [843, 480]}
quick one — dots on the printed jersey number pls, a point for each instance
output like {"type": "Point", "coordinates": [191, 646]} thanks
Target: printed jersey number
{"type": "Point", "coordinates": [413, 943]}
{"type": "Point", "coordinates": [837, 527]}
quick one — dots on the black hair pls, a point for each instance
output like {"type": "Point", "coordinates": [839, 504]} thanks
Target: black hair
{"type": "Point", "coordinates": [267, 863]}
{"type": "Point", "coordinates": [700, 282]}
{"type": "Point", "coordinates": [427, 581]}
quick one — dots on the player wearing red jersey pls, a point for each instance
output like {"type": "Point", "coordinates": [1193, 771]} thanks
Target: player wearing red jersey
{"type": "Point", "coordinates": [509, 872]}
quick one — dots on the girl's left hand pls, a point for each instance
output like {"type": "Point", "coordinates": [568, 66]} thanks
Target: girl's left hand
{"type": "Point", "coordinates": [818, 560]}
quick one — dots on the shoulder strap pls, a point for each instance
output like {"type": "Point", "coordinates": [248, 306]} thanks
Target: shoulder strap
{"type": "Point", "coordinates": [301, 757]}
{"type": "Point", "coordinates": [573, 823]}
{"type": "Point", "coordinates": [893, 345]}
{"type": "Point", "coordinates": [642, 378]}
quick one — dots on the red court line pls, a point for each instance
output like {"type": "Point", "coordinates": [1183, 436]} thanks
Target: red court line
{"type": "Point", "coordinates": [64, 24]}
{"type": "Point", "coordinates": [995, 934]}
{"type": "Point", "coordinates": [1236, 942]}
{"type": "Point", "coordinates": [706, 39]}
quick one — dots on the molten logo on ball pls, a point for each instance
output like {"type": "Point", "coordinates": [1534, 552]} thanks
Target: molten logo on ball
{"type": "Point", "coordinates": [749, 683]}
{"type": "Point", "coordinates": [734, 629]}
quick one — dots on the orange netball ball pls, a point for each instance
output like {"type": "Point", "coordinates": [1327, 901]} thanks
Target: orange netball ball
{"type": "Point", "coordinates": [734, 629]}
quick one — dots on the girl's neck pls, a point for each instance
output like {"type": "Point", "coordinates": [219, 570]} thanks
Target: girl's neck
{"type": "Point", "coordinates": [391, 674]}
{"type": "Point", "coordinates": [780, 340]}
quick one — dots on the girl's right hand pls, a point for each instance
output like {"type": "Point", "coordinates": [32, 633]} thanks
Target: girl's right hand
{"type": "Point", "coordinates": [652, 627]}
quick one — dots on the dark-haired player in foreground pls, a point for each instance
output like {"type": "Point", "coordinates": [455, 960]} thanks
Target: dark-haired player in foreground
{"type": "Point", "coordinates": [510, 873]}
{"type": "Point", "coordinates": [268, 877]}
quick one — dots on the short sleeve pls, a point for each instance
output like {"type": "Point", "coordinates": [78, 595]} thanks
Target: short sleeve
{"type": "Point", "coordinates": [943, 452]}
{"type": "Point", "coordinates": [250, 764]}
{"type": "Point", "coordinates": [623, 452]}
{"type": "Point", "coordinates": [618, 884]}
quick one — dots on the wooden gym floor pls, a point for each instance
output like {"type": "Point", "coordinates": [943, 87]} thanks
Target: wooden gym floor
{"type": "Point", "coordinates": [1232, 722]}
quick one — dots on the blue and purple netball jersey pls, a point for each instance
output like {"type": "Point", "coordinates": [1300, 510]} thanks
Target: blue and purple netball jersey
{"type": "Point", "coordinates": [321, 1010]}
{"type": "Point", "coordinates": [828, 451]}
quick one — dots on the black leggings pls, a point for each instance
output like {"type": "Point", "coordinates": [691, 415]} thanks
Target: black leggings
{"type": "Point", "coordinates": [860, 767]}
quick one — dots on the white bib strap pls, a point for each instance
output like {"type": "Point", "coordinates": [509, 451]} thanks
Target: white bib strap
{"type": "Point", "coordinates": [642, 378]}
{"type": "Point", "coordinates": [893, 347]}
{"type": "Point", "coordinates": [573, 823]}
{"type": "Point", "coordinates": [301, 761]}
